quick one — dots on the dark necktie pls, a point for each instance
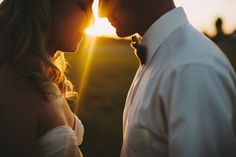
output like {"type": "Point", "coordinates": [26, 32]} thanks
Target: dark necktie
{"type": "Point", "coordinates": [139, 50]}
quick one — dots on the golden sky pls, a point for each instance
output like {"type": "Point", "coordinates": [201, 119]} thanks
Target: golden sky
{"type": "Point", "coordinates": [201, 13]}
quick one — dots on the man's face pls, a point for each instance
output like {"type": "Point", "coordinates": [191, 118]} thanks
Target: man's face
{"type": "Point", "coordinates": [122, 14]}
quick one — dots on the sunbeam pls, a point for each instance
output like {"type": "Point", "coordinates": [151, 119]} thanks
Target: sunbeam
{"type": "Point", "coordinates": [89, 46]}
{"type": "Point", "coordinates": [102, 26]}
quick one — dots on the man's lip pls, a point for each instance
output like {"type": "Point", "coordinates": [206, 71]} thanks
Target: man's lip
{"type": "Point", "coordinates": [112, 21]}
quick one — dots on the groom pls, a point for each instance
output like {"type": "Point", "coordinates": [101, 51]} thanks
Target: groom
{"type": "Point", "coordinates": [182, 100]}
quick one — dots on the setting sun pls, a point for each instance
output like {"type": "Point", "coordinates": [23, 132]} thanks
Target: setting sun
{"type": "Point", "coordinates": [203, 20]}
{"type": "Point", "coordinates": [101, 26]}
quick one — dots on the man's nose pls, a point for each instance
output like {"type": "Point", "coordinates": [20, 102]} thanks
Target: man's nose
{"type": "Point", "coordinates": [101, 9]}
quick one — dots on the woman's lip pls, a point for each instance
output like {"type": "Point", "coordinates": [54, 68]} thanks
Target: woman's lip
{"type": "Point", "coordinates": [80, 34]}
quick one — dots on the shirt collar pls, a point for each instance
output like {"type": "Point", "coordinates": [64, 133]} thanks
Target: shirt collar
{"type": "Point", "coordinates": [161, 29]}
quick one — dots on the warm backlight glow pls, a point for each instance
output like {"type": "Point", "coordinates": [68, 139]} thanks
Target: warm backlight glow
{"type": "Point", "coordinates": [101, 26]}
{"type": "Point", "coordinates": [203, 20]}
{"type": "Point", "coordinates": [201, 13]}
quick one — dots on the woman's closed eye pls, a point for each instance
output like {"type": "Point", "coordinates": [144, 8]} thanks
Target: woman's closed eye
{"type": "Point", "coordinates": [85, 5]}
{"type": "Point", "coordinates": [81, 5]}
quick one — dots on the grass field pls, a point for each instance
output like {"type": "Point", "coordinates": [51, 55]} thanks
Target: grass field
{"type": "Point", "coordinates": [109, 76]}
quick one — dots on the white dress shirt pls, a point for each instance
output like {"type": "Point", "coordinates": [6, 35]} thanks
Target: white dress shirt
{"type": "Point", "coordinates": [182, 100]}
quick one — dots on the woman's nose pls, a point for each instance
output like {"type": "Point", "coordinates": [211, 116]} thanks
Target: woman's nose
{"type": "Point", "coordinates": [92, 20]}
{"type": "Point", "coordinates": [90, 17]}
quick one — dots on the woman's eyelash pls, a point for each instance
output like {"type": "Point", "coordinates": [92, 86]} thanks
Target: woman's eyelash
{"type": "Point", "coordinates": [82, 5]}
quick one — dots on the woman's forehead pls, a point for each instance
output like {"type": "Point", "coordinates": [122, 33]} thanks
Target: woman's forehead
{"type": "Point", "coordinates": [85, 1]}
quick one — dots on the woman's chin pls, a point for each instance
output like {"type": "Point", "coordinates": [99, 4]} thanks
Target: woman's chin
{"type": "Point", "coordinates": [68, 49]}
{"type": "Point", "coordinates": [72, 47]}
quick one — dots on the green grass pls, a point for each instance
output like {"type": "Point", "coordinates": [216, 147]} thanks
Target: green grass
{"type": "Point", "coordinates": [110, 74]}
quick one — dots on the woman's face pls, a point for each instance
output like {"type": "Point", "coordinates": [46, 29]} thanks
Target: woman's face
{"type": "Point", "coordinates": [70, 19]}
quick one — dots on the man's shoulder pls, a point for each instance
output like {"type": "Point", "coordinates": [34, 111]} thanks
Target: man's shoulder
{"type": "Point", "coordinates": [186, 37]}
{"type": "Point", "coordinates": [186, 45]}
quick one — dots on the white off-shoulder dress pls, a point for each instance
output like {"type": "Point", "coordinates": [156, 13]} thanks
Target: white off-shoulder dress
{"type": "Point", "coordinates": [62, 141]}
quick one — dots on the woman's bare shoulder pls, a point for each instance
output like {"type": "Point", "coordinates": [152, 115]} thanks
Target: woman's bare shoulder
{"type": "Point", "coordinates": [18, 109]}
{"type": "Point", "coordinates": [24, 110]}
{"type": "Point", "coordinates": [15, 87]}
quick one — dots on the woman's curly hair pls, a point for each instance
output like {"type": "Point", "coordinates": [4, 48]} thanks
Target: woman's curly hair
{"type": "Point", "coordinates": [25, 26]}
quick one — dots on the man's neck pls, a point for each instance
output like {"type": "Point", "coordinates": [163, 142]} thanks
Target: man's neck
{"type": "Point", "coordinates": [154, 14]}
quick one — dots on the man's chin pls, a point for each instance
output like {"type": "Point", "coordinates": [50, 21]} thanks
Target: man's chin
{"type": "Point", "coordinates": [123, 34]}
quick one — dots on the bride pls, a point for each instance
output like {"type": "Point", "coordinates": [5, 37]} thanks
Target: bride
{"type": "Point", "coordinates": [35, 117]}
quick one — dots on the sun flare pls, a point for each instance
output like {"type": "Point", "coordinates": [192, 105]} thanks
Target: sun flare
{"type": "Point", "coordinates": [101, 26]}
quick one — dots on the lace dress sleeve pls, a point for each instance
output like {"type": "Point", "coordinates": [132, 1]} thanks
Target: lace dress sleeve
{"type": "Point", "coordinates": [59, 142]}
